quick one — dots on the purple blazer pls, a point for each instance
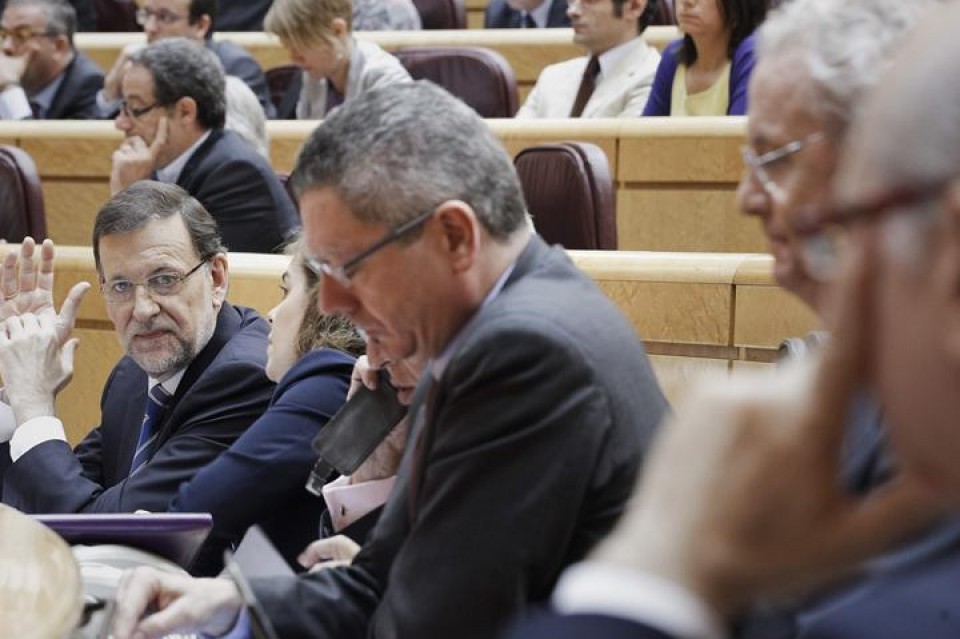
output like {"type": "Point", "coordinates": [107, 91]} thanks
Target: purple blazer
{"type": "Point", "coordinates": [659, 101]}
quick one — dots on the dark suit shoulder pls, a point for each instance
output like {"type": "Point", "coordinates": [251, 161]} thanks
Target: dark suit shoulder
{"type": "Point", "coordinates": [76, 99]}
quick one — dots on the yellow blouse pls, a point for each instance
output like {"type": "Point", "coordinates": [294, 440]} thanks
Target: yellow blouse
{"type": "Point", "coordinates": [714, 100]}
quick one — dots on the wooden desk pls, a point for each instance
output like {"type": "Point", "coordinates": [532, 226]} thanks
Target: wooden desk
{"type": "Point", "coordinates": [675, 177]}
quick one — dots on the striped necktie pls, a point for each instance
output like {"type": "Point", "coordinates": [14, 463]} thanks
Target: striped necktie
{"type": "Point", "coordinates": [157, 400]}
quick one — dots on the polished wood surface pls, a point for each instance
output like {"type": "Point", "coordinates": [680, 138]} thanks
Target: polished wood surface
{"type": "Point", "coordinates": [675, 178]}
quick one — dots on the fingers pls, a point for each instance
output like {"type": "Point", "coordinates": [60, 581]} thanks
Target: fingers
{"type": "Point", "coordinates": [327, 565]}
{"type": "Point", "coordinates": [27, 280]}
{"type": "Point", "coordinates": [336, 548]}
{"type": "Point", "coordinates": [67, 317]}
{"type": "Point", "coordinates": [45, 277]}
{"type": "Point", "coordinates": [842, 369]}
{"type": "Point", "coordinates": [160, 139]}
{"type": "Point", "coordinates": [66, 357]}
{"type": "Point", "coordinates": [361, 376]}
{"type": "Point", "coordinates": [138, 588]}
{"type": "Point", "coordinates": [8, 278]}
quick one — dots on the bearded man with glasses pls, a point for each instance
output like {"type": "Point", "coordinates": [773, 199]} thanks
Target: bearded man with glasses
{"type": "Point", "coordinates": [191, 382]}
{"type": "Point", "coordinates": [42, 75]}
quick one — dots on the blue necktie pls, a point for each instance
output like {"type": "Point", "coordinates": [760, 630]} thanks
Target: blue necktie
{"type": "Point", "coordinates": [157, 400]}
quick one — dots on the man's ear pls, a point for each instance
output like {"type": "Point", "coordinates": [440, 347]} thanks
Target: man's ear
{"type": "Point", "coordinates": [61, 43]}
{"type": "Point", "coordinates": [219, 272]}
{"type": "Point", "coordinates": [339, 27]}
{"type": "Point", "coordinates": [460, 233]}
{"type": "Point", "coordinates": [186, 109]}
{"type": "Point", "coordinates": [203, 24]}
{"type": "Point", "coordinates": [633, 9]}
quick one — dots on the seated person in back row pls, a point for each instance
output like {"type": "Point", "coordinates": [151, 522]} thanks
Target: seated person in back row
{"type": "Point", "coordinates": [526, 14]}
{"type": "Point", "coordinates": [706, 73]}
{"type": "Point", "coordinates": [173, 119]}
{"type": "Point", "coordinates": [192, 381]}
{"type": "Point", "coordinates": [42, 76]}
{"type": "Point", "coordinates": [385, 15]}
{"type": "Point", "coordinates": [194, 20]}
{"type": "Point", "coordinates": [336, 66]}
{"type": "Point", "coordinates": [614, 80]}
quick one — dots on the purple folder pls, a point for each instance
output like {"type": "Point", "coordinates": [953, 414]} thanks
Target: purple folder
{"type": "Point", "coordinates": [174, 536]}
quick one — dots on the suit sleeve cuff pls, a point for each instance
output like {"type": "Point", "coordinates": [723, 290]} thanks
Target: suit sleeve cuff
{"type": "Point", "coordinates": [33, 433]}
{"type": "Point", "coordinates": [599, 588]}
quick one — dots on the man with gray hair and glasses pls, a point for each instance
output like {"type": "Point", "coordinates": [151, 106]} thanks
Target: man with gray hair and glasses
{"type": "Point", "coordinates": [42, 75]}
{"type": "Point", "coordinates": [534, 408]}
{"type": "Point", "coordinates": [191, 382]}
{"type": "Point", "coordinates": [762, 514]}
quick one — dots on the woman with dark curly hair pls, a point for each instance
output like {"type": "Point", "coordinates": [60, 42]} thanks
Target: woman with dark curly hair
{"type": "Point", "coordinates": [707, 71]}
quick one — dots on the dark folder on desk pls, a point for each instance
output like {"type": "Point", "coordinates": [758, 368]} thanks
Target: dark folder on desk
{"type": "Point", "coordinates": [174, 536]}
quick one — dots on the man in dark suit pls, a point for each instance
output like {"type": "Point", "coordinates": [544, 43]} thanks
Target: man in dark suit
{"type": "Point", "coordinates": [173, 117]}
{"type": "Point", "coordinates": [895, 213]}
{"type": "Point", "coordinates": [42, 76]}
{"type": "Point", "coordinates": [535, 406]}
{"type": "Point", "coordinates": [242, 15]}
{"type": "Point", "coordinates": [192, 380]}
{"type": "Point", "coordinates": [526, 14]}
{"type": "Point", "coordinates": [194, 20]}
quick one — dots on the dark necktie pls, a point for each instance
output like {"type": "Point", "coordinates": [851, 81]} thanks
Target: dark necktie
{"type": "Point", "coordinates": [528, 22]}
{"type": "Point", "coordinates": [587, 85]}
{"type": "Point", "coordinates": [36, 110]}
{"type": "Point", "coordinates": [157, 400]}
{"type": "Point", "coordinates": [422, 429]}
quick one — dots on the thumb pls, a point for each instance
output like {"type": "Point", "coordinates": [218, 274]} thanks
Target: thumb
{"type": "Point", "coordinates": [66, 357]}
{"type": "Point", "coordinates": [68, 312]}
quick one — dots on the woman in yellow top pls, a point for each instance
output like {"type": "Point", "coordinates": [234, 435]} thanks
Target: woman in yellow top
{"type": "Point", "coordinates": [707, 71]}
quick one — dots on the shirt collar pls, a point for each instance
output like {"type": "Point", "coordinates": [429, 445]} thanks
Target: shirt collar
{"type": "Point", "coordinates": [610, 58]}
{"type": "Point", "coordinates": [44, 97]}
{"type": "Point", "coordinates": [541, 14]}
{"type": "Point", "coordinates": [171, 172]}
{"type": "Point", "coordinates": [170, 385]}
{"type": "Point", "coordinates": [439, 364]}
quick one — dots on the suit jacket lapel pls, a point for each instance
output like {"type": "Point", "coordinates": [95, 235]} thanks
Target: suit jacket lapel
{"type": "Point", "coordinates": [613, 82]}
{"type": "Point", "coordinates": [228, 322]}
{"type": "Point", "coordinates": [65, 89]}
{"type": "Point", "coordinates": [198, 157]}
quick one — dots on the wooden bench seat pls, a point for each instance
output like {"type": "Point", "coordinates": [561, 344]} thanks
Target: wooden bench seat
{"type": "Point", "coordinates": [696, 313]}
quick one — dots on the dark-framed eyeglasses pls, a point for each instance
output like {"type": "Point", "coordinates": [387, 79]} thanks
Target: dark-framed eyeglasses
{"type": "Point", "coordinates": [344, 273]}
{"type": "Point", "coordinates": [163, 284]}
{"type": "Point", "coordinates": [768, 167]}
{"type": "Point", "coordinates": [824, 240]}
{"type": "Point", "coordinates": [23, 32]}
{"type": "Point", "coordinates": [136, 113]}
{"type": "Point", "coordinates": [163, 16]}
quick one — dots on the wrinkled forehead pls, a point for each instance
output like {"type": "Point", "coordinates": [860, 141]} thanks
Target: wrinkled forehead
{"type": "Point", "coordinates": [783, 101]}
{"type": "Point", "coordinates": [160, 243]}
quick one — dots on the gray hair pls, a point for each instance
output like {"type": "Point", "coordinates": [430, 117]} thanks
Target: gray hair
{"type": "Point", "coordinates": [182, 68]}
{"type": "Point", "coordinates": [396, 152]}
{"type": "Point", "coordinates": [846, 46]}
{"type": "Point", "coordinates": [61, 16]}
{"type": "Point", "coordinates": [245, 115]}
{"type": "Point", "coordinates": [142, 202]}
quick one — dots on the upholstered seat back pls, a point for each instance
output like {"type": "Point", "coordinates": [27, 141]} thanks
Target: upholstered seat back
{"type": "Point", "coordinates": [442, 14]}
{"type": "Point", "coordinates": [21, 197]}
{"type": "Point", "coordinates": [480, 77]}
{"type": "Point", "coordinates": [569, 193]}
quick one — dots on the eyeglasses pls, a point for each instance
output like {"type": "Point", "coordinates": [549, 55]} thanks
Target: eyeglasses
{"type": "Point", "coordinates": [157, 285]}
{"type": "Point", "coordinates": [163, 17]}
{"type": "Point", "coordinates": [134, 113]}
{"type": "Point", "coordinates": [344, 273]}
{"type": "Point", "coordinates": [769, 167]}
{"type": "Point", "coordinates": [21, 33]}
{"type": "Point", "coordinates": [824, 241]}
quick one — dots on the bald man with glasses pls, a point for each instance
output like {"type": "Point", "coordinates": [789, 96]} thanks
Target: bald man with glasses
{"type": "Point", "coordinates": [42, 76]}
{"type": "Point", "coordinates": [191, 382]}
